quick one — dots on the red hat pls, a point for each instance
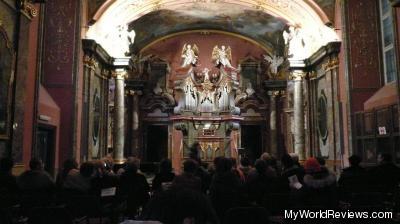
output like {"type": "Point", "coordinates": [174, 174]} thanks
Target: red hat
{"type": "Point", "coordinates": [312, 165]}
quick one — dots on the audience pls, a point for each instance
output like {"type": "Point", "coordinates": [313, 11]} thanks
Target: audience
{"type": "Point", "coordinates": [353, 178]}
{"type": "Point", "coordinates": [319, 187]}
{"type": "Point", "coordinates": [133, 187]}
{"type": "Point", "coordinates": [386, 175]}
{"type": "Point", "coordinates": [245, 166]}
{"type": "Point", "coordinates": [183, 198]}
{"type": "Point", "coordinates": [80, 182]}
{"type": "Point", "coordinates": [35, 179]}
{"type": "Point", "coordinates": [164, 178]}
{"type": "Point", "coordinates": [188, 180]}
{"type": "Point", "coordinates": [70, 167]}
{"type": "Point", "coordinates": [225, 188]}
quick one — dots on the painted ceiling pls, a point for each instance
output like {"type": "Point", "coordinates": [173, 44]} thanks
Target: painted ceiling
{"type": "Point", "coordinates": [256, 25]}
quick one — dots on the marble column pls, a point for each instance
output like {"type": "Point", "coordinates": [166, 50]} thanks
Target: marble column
{"type": "Point", "coordinates": [298, 112]}
{"type": "Point", "coordinates": [135, 121]}
{"type": "Point", "coordinates": [119, 120]}
{"type": "Point", "coordinates": [272, 123]}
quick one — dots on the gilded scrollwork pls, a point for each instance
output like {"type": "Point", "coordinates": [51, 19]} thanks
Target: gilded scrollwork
{"type": "Point", "coordinates": [28, 9]}
{"type": "Point", "coordinates": [90, 62]}
{"type": "Point", "coordinates": [297, 75]}
{"type": "Point", "coordinates": [331, 64]}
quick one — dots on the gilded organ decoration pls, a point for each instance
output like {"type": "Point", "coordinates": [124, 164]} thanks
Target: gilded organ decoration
{"type": "Point", "coordinates": [207, 90]}
{"type": "Point", "coordinates": [222, 56]}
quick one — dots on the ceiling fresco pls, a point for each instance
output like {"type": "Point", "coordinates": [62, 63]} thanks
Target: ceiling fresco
{"type": "Point", "coordinates": [256, 25]}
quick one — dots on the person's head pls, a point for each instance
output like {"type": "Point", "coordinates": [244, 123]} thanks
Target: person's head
{"type": "Point", "coordinates": [135, 160]}
{"type": "Point", "coordinates": [265, 156]}
{"type": "Point", "coordinates": [261, 166]}
{"type": "Point", "coordinates": [245, 161]}
{"type": "Point", "coordinates": [287, 161]}
{"type": "Point", "coordinates": [165, 166]}
{"type": "Point", "coordinates": [385, 158]}
{"type": "Point", "coordinates": [131, 166]}
{"type": "Point", "coordinates": [109, 164]}
{"type": "Point", "coordinates": [295, 157]}
{"type": "Point", "coordinates": [312, 166]}
{"type": "Point", "coordinates": [70, 164]}
{"type": "Point", "coordinates": [223, 164]}
{"type": "Point", "coordinates": [6, 164]}
{"type": "Point", "coordinates": [321, 160]}
{"type": "Point", "coordinates": [86, 169]}
{"type": "Point", "coordinates": [190, 166]}
{"type": "Point", "coordinates": [36, 164]}
{"type": "Point", "coordinates": [354, 160]}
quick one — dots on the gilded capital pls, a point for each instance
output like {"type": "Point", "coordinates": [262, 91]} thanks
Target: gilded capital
{"type": "Point", "coordinates": [28, 9]}
{"type": "Point", "coordinates": [90, 62]}
{"type": "Point", "coordinates": [331, 64]}
{"type": "Point", "coordinates": [297, 75]}
{"type": "Point", "coordinates": [119, 74]}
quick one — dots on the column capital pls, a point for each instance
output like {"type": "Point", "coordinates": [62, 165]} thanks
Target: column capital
{"type": "Point", "coordinates": [135, 92]}
{"type": "Point", "coordinates": [119, 74]}
{"type": "Point", "coordinates": [274, 93]}
{"type": "Point", "coordinates": [90, 62]}
{"type": "Point", "coordinates": [297, 75]}
{"type": "Point", "coordinates": [331, 64]}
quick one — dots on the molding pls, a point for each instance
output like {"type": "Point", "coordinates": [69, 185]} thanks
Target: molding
{"type": "Point", "coordinates": [91, 48]}
{"type": "Point", "coordinates": [28, 9]}
{"type": "Point", "coordinates": [395, 3]}
{"type": "Point", "coordinates": [329, 49]}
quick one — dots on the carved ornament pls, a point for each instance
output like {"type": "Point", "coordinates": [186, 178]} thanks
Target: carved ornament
{"type": "Point", "coordinates": [28, 9]}
{"type": "Point", "coordinates": [119, 74]}
{"type": "Point", "coordinates": [297, 75]}
{"type": "Point", "coordinates": [331, 64]}
{"type": "Point", "coordinates": [90, 62]}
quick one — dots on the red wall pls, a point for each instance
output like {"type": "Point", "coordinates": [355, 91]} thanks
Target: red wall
{"type": "Point", "coordinates": [58, 64]}
{"type": "Point", "coordinates": [364, 51]}
{"type": "Point", "coordinates": [171, 49]}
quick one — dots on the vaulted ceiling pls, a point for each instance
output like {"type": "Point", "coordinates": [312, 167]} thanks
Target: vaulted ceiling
{"type": "Point", "coordinates": [260, 20]}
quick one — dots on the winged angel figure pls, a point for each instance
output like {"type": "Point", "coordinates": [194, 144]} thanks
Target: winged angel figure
{"type": "Point", "coordinates": [222, 56]}
{"type": "Point", "coordinates": [275, 62]}
{"type": "Point", "coordinates": [190, 55]}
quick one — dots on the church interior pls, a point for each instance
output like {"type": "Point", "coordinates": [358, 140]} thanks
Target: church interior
{"type": "Point", "coordinates": [198, 111]}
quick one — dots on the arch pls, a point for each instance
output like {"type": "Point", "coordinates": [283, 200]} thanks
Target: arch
{"type": "Point", "coordinates": [114, 16]}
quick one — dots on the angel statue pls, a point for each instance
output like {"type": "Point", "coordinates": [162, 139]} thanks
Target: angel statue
{"type": "Point", "coordinates": [275, 62]}
{"type": "Point", "coordinates": [222, 56]}
{"type": "Point", "coordinates": [190, 55]}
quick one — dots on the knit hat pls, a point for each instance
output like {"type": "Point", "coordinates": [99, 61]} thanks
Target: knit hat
{"type": "Point", "coordinates": [312, 165]}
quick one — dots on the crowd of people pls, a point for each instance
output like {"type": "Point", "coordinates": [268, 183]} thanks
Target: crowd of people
{"type": "Point", "coordinates": [201, 194]}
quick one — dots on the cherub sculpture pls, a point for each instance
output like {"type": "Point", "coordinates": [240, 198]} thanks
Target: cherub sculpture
{"type": "Point", "coordinates": [190, 55]}
{"type": "Point", "coordinates": [274, 62]}
{"type": "Point", "coordinates": [222, 56]}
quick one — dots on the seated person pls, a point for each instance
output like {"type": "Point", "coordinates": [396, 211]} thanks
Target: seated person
{"type": "Point", "coordinates": [80, 182]}
{"type": "Point", "coordinates": [188, 179]}
{"type": "Point", "coordinates": [133, 187]}
{"type": "Point", "coordinates": [164, 177]}
{"type": "Point", "coordinates": [386, 175]}
{"type": "Point", "coordinates": [180, 206]}
{"type": "Point", "coordinates": [319, 187]}
{"type": "Point", "coordinates": [353, 178]}
{"type": "Point", "coordinates": [35, 179]}
{"type": "Point", "coordinates": [36, 184]}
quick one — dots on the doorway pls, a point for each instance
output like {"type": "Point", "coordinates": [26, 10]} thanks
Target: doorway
{"type": "Point", "coordinates": [251, 141]}
{"type": "Point", "coordinates": [45, 147]}
{"type": "Point", "coordinates": [156, 143]}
